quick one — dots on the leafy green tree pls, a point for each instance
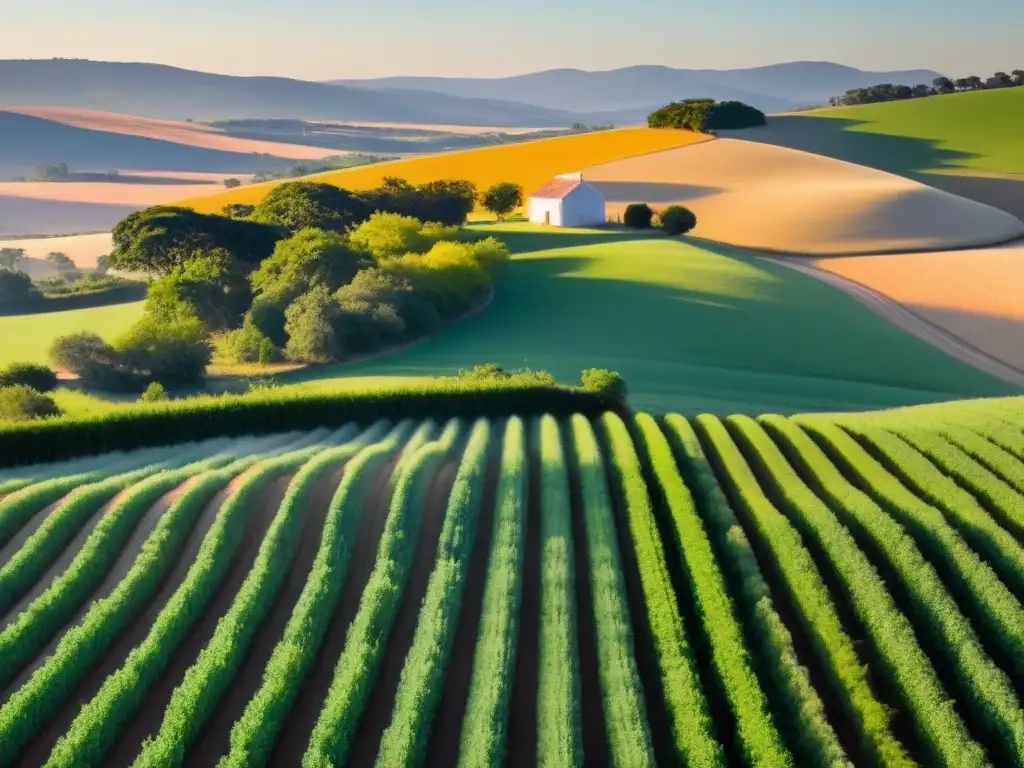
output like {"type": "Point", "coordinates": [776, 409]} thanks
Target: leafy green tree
{"type": "Point", "coordinates": [16, 288]}
{"type": "Point", "coordinates": [389, 235]}
{"type": "Point", "coordinates": [1018, 77]}
{"type": "Point", "coordinates": [301, 205]}
{"type": "Point", "coordinates": [943, 85]}
{"type": "Point", "coordinates": [309, 324]}
{"type": "Point", "coordinates": [249, 345]}
{"type": "Point", "coordinates": [11, 258]}
{"type": "Point", "coordinates": [604, 381]}
{"type": "Point", "coordinates": [65, 266]}
{"type": "Point", "coordinates": [502, 199]}
{"type": "Point", "coordinates": [210, 285]}
{"type": "Point", "coordinates": [238, 210]}
{"type": "Point", "coordinates": [677, 220]}
{"type": "Point", "coordinates": [49, 172]}
{"type": "Point", "coordinates": [232, 183]}
{"type": "Point", "coordinates": [307, 258]}
{"type": "Point", "coordinates": [173, 351]}
{"type": "Point", "coordinates": [39, 377]}
{"type": "Point", "coordinates": [638, 216]}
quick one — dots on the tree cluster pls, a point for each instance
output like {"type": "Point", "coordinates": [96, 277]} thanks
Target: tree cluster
{"type": "Point", "coordinates": [23, 392]}
{"type": "Point", "coordinates": [706, 115]}
{"type": "Point", "coordinates": [673, 220]}
{"type": "Point", "coordinates": [941, 85]}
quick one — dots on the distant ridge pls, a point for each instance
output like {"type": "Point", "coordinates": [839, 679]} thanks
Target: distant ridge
{"type": "Point", "coordinates": [156, 90]}
{"type": "Point", "coordinates": [774, 88]}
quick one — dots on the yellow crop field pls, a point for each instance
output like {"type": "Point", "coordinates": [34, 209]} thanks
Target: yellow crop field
{"type": "Point", "coordinates": [529, 163]}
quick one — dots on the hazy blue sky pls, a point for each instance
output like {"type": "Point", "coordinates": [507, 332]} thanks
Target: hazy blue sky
{"type": "Point", "coordinates": [320, 39]}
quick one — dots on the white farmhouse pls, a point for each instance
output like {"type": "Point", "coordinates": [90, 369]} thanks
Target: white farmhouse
{"type": "Point", "coordinates": [567, 201]}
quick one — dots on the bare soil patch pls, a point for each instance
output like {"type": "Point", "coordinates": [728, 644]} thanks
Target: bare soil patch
{"type": "Point", "coordinates": [380, 705]}
{"type": "Point", "coordinates": [215, 738]}
{"type": "Point", "coordinates": [298, 726]}
{"type": "Point", "coordinates": [149, 717]}
{"type": "Point", "coordinates": [784, 200]}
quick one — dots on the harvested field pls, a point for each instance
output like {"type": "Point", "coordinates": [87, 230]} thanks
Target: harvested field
{"type": "Point", "coordinates": [688, 535]}
{"type": "Point", "coordinates": [777, 199]}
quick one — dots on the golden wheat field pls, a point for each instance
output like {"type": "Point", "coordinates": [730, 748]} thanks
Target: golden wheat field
{"type": "Point", "coordinates": [529, 164]}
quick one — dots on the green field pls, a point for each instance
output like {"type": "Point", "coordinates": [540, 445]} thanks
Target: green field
{"type": "Point", "coordinates": [692, 326]}
{"type": "Point", "coordinates": [27, 338]}
{"type": "Point", "coordinates": [978, 132]}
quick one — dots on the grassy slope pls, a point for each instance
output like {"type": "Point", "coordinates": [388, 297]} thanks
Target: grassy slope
{"type": "Point", "coordinates": [690, 327]}
{"type": "Point", "coordinates": [980, 130]}
{"type": "Point", "coordinates": [27, 338]}
{"type": "Point", "coordinates": [529, 163]}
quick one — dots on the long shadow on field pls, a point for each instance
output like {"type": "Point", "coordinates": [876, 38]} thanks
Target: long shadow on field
{"type": "Point", "coordinates": [530, 241]}
{"type": "Point", "coordinates": [652, 192]}
{"type": "Point", "coordinates": [911, 157]}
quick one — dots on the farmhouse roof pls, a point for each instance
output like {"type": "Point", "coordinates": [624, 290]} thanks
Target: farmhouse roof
{"type": "Point", "coordinates": [557, 188]}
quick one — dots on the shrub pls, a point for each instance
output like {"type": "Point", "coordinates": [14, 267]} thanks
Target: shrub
{"type": "Point", "coordinates": [307, 258]}
{"type": "Point", "coordinates": [93, 360]}
{"type": "Point", "coordinates": [154, 393]}
{"type": "Point", "coordinates": [16, 288]}
{"type": "Point", "coordinates": [604, 382]}
{"type": "Point", "coordinates": [249, 344]}
{"type": "Point", "coordinates": [726, 115]}
{"type": "Point", "coordinates": [237, 210]}
{"type": "Point", "coordinates": [677, 220]}
{"type": "Point", "coordinates": [211, 286]}
{"type": "Point", "coordinates": [174, 351]}
{"type": "Point", "coordinates": [38, 377]}
{"type": "Point", "coordinates": [638, 216]}
{"type": "Point", "coordinates": [267, 314]}
{"type": "Point", "coordinates": [502, 199]}
{"type": "Point", "coordinates": [389, 235]}
{"type": "Point", "coordinates": [706, 115]}
{"type": "Point", "coordinates": [21, 403]}
{"type": "Point", "coordinates": [309, 324]}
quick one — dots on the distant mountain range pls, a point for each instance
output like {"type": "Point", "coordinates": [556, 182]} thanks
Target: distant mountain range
{"type": "Point", "coordinates": [637, 90]}
{"type": "Point", "coordinates": [552, 98]}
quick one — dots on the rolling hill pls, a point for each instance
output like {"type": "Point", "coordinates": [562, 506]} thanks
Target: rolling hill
{"type": "Point", "coordinates": [154, 90]}
{"type": "Point", "coordinates": [639, 89]}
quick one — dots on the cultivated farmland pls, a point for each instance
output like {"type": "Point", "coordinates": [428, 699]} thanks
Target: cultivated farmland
{"type": "Point", "coordinates": [545, 588]}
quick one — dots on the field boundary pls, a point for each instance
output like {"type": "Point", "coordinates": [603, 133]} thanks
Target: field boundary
{"type": "Point", "coordinates": [911, 322]}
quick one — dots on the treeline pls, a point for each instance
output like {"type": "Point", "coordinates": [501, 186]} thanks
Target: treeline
{"type": "Point", "coordinates": [313, 274]}
{"type": "Point", "coordinates": [331, 163]}
{"type": "Point", "coordinates": [941, 85]}
{"type": "Point", "coordinates": [704, 115]}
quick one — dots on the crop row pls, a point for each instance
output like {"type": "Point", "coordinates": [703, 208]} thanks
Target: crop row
{"type": "Point", "coordinates": [100, 720]}
{"type": "Point", "coordinates": [629, 737]}
{"type": "Point", "coordinates": [795, 572]}
{"type": "Point", "coordinates": [490, 689]}
{"type": "Point", "coordinates": [359, 662]}
{"type": "Point", "coordinates": [255, 732]}
{"type": "Point", "coordinates": [802, 713]}
{"type": "Point", "coordinates": [422, 679]}
{"type": "Point", "coordinates": [985, 690]}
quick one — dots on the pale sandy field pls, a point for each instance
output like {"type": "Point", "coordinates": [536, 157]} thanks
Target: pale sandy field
{"type": "Point", "coordinates": [976, 295]}
{"type": "Point", "coordinates": [179, 132]}
{"type": "Point", "coordinates": [81, 249]}
{"type": "Point", "coordinates": [783, 200]}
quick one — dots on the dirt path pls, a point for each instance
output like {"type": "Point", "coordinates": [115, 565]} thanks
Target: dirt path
{"type": "Point", "coordinates": [446, 731]}
{"type": "Point", "coordinates": [214, 740]}
{"type": "Point", "coordinates": [381, 703]}
{"type": "Point", "coordinates": [298, 726]}
{"type": "Point", "coordinates": [149, 717]}
{"type": "Point", "coordinates": [522, 722]}
{"type": "Point", "coordinates": [39, 748]}
{"type": "Point", "coordinates": [910, 321]}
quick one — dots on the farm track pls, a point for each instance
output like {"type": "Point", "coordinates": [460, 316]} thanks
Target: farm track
{"type": "Point", "coordinates": [377, 710]}
{"type": "Point", "coordinates": [213, 740]}
{"type": "Point", "coordinates": [147, 720]}
{"type": "Point", "coordinates": [907, 636]}
{"type": "Point", "coordinates": [443, 744]}
{"type": "Point", "coordinates": [36, 751]}
{"type": "Point", "coordinates": [298, 726]}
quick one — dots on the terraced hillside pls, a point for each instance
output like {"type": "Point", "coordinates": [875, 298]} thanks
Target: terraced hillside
{"type": "Point", "coordinates": [629, 590]}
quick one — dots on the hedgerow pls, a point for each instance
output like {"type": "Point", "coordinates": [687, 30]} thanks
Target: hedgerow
{"type": "Point", "coordinates": [629, 737]}
{"type": "Point", "coordinates": [978, 589]}
{"type": "Point", "coordinates": [693, 731]}
{"type": "Point", "coordinates": [802, 714]}
{"type": "Point", "coordinates": [357, 667]}
{"type": "Point", "coordinates": [1002, 551]}
{"type": "Point", "coordinates": [101, 718]}
{"type": "Point", "coordinates": [422, 681]}
{"type": "Point", "coordinates": [31, 704]}
{"type": "Point", "coordinates": [893, 645]}
{"type": "Point", "coordinates": [255, 732]}
{"type": "Point", "coordinates": [490, 689]}
{"type": "Point", "coordinates": [760, 740]}
{"type": "Point", "coordinates": [796, 573]}
{"type": "Point", "coordinates": [197, 695]}
{"type": "Point", "coordinates": [985, 690]}
{"type": "Point", "coordinates": [559, 730]}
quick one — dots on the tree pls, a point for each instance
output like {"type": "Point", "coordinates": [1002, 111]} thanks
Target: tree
{"type": "Point", "coordinates": [102, 264]}
{"type": "Point", "coordinates": [999, 80]}
{"type": "Point", "coordinates": [973, 82]}
{"type": "Point", "coordinates": [65, 266]}
{"type": "Point", "coordinates": [706, 115]}
{"type": "Point", "coordinates": [638, 216]}
{"type": "Point", "coordinates": [49, 172]}
{"type": "Point", "coordinates": [238, 210]}
{"type": "Point", "coordinates": [308, 258]}
{"type": "Point", "coordinates": [309, 325]}
{"type": "Point", "coordinates": [39, 377]}
{"type": "Point", "coordinates": [943, 85]}
{"type": "Point", "coordinates": [11, 258]}
{"type": "Point", "coordinates": [211, 286]}
{"type": "Point", "coordinates": [173, 351]}
{"type": "Point", "coordinates": [677, 220]}
{"type": "Point", "coordinates": [306, 204]}
{"type": "Point", "coordinates": [232, 183]}
{"type": "Point", "coordinates": [16, 288]}
{"type": "Point", "coordinates": [389, 235]}
{"type": "Point", "coordinates": [93, 360]}
{"type": "Point", "coordinates": [1018, 77]}
{"type": "Point", "coordinates": [502, 198]}
{"type": "Point", "coordinates": [922, 91]}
